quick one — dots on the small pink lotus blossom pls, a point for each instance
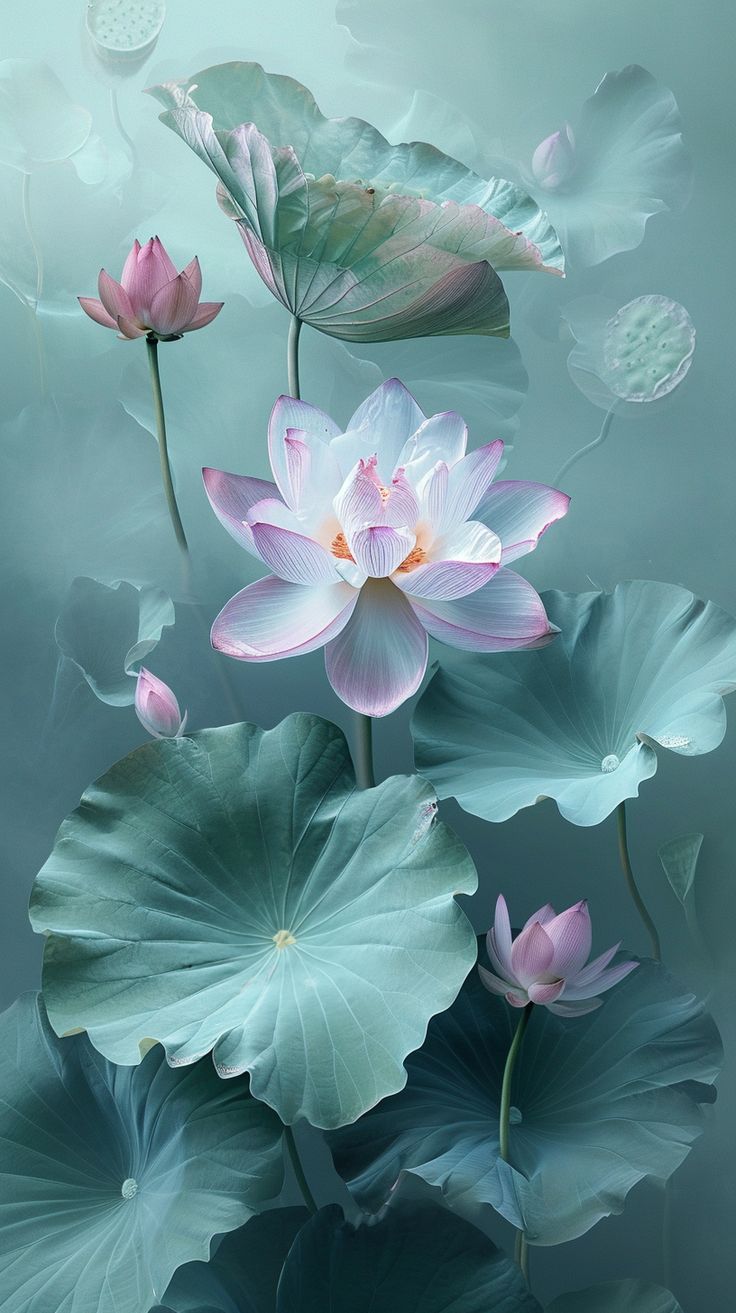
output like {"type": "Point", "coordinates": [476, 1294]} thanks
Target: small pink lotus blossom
{"type": "Point", "coordinates": [546, 963]}
{"type": "Point", "coordinates": [151, 297]}
{"type": "Point", "coordinates": [157, 708]}
{"type": "Point", "coordinates": [553, 162]}
{"type": "Point", "coordinates": [377, 537]}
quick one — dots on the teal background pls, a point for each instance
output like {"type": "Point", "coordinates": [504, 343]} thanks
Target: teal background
{"type": "Point", "coordinates": [655, 502]}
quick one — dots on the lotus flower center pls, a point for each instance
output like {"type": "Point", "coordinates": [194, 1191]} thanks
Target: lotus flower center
{"type": "Point", "coordinates": [417, 556]}
{"type": "Point", "coordinates": [339, 548]}
{"type": "Point", "coordinates": [129, 1188]}
{"type": "Point", "coordinates": [283, 939]}
{"type": "Point", "coordinates": [610, 763]}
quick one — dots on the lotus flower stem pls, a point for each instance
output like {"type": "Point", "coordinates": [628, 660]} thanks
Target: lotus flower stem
{"type": "Point", "coordinates": [115, 109]}
{"type": "Point", "coordinates": [38, 257]}
{"type": "Point", "coordinates": [597, 442]}
{"type": "Point", "coordinates": [623, 849]}
{"type": "Point", "coordinates": [298, 1170]}
{"type": "Point", "coordinates": [158, 406]}
{"type": "Point", "coordinates": [295, 328]}
{"type": "Point", "coordinates": [364, 751]}
{"type": "Point", "coordinates": [521, 1254]}
{"type": "Point", "coordinates": [508, 1071]}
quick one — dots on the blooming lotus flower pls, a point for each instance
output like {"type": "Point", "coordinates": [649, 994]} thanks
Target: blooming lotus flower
{"type": "Point", "coordinates": [361, 239]}
{"type": "Point", "coordinates": [157, 708]}
{"type": "Point", "coordinates": [151, 297]}
{"type": "Point", "coordinates": [377, 537]}
{"type": "Point", "coordinates": [546, 963]}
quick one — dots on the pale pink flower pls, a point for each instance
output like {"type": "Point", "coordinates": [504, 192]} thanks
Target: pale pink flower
{"type": "Point", "coordinates": [157, 708]}
{"type": "Point", "coordinates": [546, 963]}
{"type": "Point", "coordinates": [553, 162]}
{"type": "Point", "coordinates": [378, 537]}
{"type": "Point", "coordinates": [151, 297]}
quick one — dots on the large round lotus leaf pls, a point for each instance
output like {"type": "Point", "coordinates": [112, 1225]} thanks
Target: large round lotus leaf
{"type": "Point", "coordinates": [235, 891]}
{"type": "Point", "coordinates": [627, 163]}
{"type": "Point", "coordinates": [107, 630]}
{"type": "Point", "coordinates": [578, 721]}
{"type": "Point", "coordinates": [615, 1297]}
{"type": "Point", "coordinates": [417, 1258]}
{"type": "Point", "coordinates": [39, 122]}
{"type": "Point", "coordinates": [244, 1273]}
{"type": "Point", "coordinates": [111, 1177]}
{"type": "Point", "coordinates": [598, 1103]}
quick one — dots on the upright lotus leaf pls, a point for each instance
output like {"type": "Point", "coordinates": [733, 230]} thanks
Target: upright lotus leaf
{"type": "Point", "coordinates": [644, 666]}
{"type": "Point", "coordinates": [243, 1275]}
{"type": "Point", "coordinates": [614, 1297]}
{"type": "Point", "coordinates": [416, 1258]}
{"type": "Point", "coordinates": [598, 1103]}
{"type": "Point", "coordinates": [363, 240]}
{"type": "Point", "coordinates": [679, 858]}
{"type": "Point", "coordinates": [234, 891]}
{"type": "Point", "coordinates": [112, 1177]}
{"type": "Point", "coordinates": [108, 629]}
{"type": "Point", "coordinates": [630, 355]}
{"type": "Point", "coordinates": [39, 122]}
{"type": "Point", "coordinates": [619, 163]}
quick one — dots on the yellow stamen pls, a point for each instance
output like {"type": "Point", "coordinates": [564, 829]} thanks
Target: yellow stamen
{"type": "Point", "coordinates": [384, 493]}
{"type": "Point", "coordinates": [283, 939]}
{"type": "Point", "coordinates": [339, 548]}
{"type": "Point", "coordinates": [417, 556]}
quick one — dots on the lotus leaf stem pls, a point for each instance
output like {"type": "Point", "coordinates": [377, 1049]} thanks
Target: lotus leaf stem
{"type": "Point", "coordinates": [597, 442]}
{"type": "Point", "coordinates": [298, 1170]}
{"type": "Point", "coordinates": [639, 903]}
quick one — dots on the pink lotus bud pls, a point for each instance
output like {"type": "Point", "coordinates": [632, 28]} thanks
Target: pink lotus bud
{"type": "Point", "coordinates": [546, 962]}
{"type": "Point", "coordinates": [553, 162]}
{"type": "Point", "coordinates": [151, 297]}
{"type": "Point", "coordinates": [157, 708]}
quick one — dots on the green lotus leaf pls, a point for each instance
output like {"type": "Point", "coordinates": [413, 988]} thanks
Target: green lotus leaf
{"type": "Point", "coordinates": [363, 240]}
{"type": "Point", "coordinates": [112, 1177]}
{"type": "Point", "coordinates": [417, 1258]}
{"type": "Point", "coordinates": [642, 667]}
{"type": "Point", "coordinates": [39, 122]}
{"type": "Point", "coordinates": [598, 1103]}
{"type": "Point", "coordinates": [234, 891]}
{"type": "Point", "coordinates": [243, 1275]}
{"type": "Point", "coordinates": [108, 629]}
{"type": "Point", "coordinates": [614, 1297]}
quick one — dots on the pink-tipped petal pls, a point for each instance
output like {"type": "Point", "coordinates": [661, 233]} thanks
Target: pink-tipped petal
{"type": "Point", "coordinates": [520, 512]}
{"type": "Point", "coordinates": [291, 555]}
{"type": "Point", "coordinates": [379, 550]}
{"type": "Point", "coordinates": [545, 993]}
{"type": "Point", "coordinates": [470, 480]}
{"type": "Point", "coordinates": [152, 271]}
{"type": "Point", "coordinates": [290, 414]}
{"type": "Point", "coordinates": [129, 328]}
{"type": "Point", "coordinates": [128, 274]}
{"type": "Point", "coordinates": [96, 310]}
{"type": "Point", "coordinates": [380, 657]}
{"type": "Point", "coordinates": [596, 967]}
{"type": "Point", "coordinates": [273, 618]}
{"type": "Point", "coordinates": [504, 614]}
{"type": "Point", "coordinates": [501, 936]}
{"type": "Point", "coordinates": [571, 936]}
{"type": "Point", "coordinates": [401, 506]}
{"type": "Point", "coordinates": [459, 563]}
{"type": "Point", "coordinates": [206, 311]}
{"type": "Point", "coordinates": [231, 497]}
{"type": "Point", "coordinates": [358, 504]}
{"type": "Point", "coordinates": [114, 297]}
{"type": "Point", "coordinates": [606, 980]}
{"type": "Point", "coordinates": [193, 273]}
{"type": "Point", "coordinates": [545, 914]}
{"type": "Point", "coordinates": [389, 416]}
{"type": "Point", "coordinates": [532, 953]}
{"type": "Point", "coordinates": [156, 706]}
{"type": "Point", "coordinates": [173, 306]}
{"type": "Point", "coordinates": [516, 1000]}
{"type": "Point", "coordinates": [493, 982]}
